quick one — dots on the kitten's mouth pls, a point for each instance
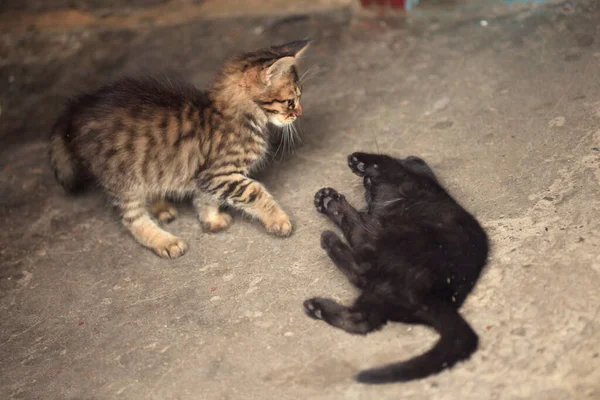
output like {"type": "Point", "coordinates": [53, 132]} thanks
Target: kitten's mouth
{"type": "Point", "coordinates": [280, 123]}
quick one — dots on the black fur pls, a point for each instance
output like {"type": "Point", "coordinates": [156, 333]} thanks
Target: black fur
{"type": "Point", "coordinates": [415, 253]}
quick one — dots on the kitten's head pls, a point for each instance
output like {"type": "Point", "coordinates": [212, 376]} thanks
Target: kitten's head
{"type": "Point", "coordinates": [269, 78]}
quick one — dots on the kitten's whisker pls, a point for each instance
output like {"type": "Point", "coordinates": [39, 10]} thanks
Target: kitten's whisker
{"type": "Point", "coordinates": [376, 144]}
{"type": "Point", "coordinates": [306, 72]}
{"type": "Point", "coordinates": [280, 143]}
{"type": "Point", "coordinates": [296, 129]}
{"type": "Point", "coordinates": [289, 143]}
{"type": "Point", "coordinates": [300, 132]}
{"type": "Point", "coordinates": [293, 136]}
{"type": "Point", "coordinates": [292, 139]}
{"type": "Point", "coordinates": [314, 71]}
{"type": "Point", "coordinates": [307, 78]}
{"type": "Point", "coordinates": [386, 203]}
{"type": "Point", "coordinates": [284, 141]}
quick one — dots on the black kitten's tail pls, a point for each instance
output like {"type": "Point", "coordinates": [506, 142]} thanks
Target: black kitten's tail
{"type": "Point", "coordinates": [458, 341]}
{"type": "Point", "coordinates": [67, 170]}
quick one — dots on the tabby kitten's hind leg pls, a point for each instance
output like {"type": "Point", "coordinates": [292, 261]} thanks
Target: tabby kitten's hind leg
{"type": "Point", "coordinates": [360, 319]}
{"type": "Point", "coordinates": [163, 211]}
{"type": "Point", "coordinates": [212, 219]}
{"type": "Point", "coordinates": [137, 219]}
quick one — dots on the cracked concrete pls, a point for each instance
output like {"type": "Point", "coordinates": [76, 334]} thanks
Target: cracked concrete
{"type": "Point", "coordinates": [507, 114]}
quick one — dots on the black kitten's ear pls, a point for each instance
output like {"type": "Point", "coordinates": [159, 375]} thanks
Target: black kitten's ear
{"type": "Point", "coordinates": [418, 165]}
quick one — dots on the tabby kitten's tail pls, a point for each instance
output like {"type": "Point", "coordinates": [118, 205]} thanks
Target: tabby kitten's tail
{"type": "Point", "coordinates": [457, 342]}
{"type": "Point", "coordinates": [67, 170]}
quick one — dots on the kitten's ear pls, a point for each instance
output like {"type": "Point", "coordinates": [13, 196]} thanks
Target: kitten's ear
{"type": "Point", "coordinates": [277, 69]}
{"type": "Point", "coordinates": [290, 53]}
{"type": "Point", "coordinates": [299, 48]}
{"type": "Point", "coordinates": [292, 49]}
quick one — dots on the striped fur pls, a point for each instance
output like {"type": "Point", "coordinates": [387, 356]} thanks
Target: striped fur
{"type": "Point", "coordinates": [144, 139]}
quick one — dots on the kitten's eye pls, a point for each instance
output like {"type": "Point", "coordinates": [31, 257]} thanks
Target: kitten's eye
{"type": "Point", "coordinates": [290, 103]}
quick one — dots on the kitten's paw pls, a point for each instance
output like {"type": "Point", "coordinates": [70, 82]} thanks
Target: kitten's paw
{"type": "Point", "coordinates": [320, 308]}
{"type": "Point", "coordinates": [163, 211]}
{"type": "Point", "coordinates": [279, 224]}
{"type": "Point", "coordinates": [362, 164]}
{"type": "Point", "coordinates": [313, 309]}
{"type": "Point", "coordinates": [329, 239]}
{"type": "Point", "coordinates": [216, 222]}
{"type": "Point", "coordinates": [171, 247]}
{"type": "Point", "coordinates": [327, 199]}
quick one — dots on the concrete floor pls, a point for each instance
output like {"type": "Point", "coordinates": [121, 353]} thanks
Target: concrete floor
{"type": "Point", "coordinates": [508, 115]}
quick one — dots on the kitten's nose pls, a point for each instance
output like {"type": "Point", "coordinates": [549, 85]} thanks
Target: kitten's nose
{"type": "Point", "coordinates": [298, 110]}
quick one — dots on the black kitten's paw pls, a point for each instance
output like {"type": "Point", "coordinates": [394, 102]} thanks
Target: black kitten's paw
{"type": "Point", "coordinates": [329, 239]}
{"type": "Point", "coordinates": [327, 199]}
{"type": "Point", "coordinates": [362, 164]}
{"type": "Point", "coordinates": [312, 308]}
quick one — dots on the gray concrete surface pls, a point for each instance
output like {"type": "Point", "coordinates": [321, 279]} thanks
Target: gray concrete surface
{"type": "Point", "coordinates": [508, 114]}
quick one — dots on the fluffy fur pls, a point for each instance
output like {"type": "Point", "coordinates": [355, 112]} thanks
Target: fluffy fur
{"type": "Point", "coordinates": [415, 253]}
{"type": "Point", "coordinates": [144, 139]}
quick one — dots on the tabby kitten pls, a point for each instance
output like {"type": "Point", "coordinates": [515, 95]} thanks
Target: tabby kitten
{"type": "Point", "coordinates": [144, 139]}
{"type": "Point", "coordinates": [415, 253]}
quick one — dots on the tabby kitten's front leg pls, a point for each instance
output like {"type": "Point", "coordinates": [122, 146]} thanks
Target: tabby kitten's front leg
{"type": "Point", "coordinates": [246, 194]}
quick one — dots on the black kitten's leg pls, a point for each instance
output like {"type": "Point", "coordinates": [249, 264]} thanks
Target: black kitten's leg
{"type": "Point", "coordinates": [333, 204]}
{"type": "Point", "coordinates": [352, 223]}
{"type": "Point", "coordinates": [343, 257]}
{"type": "Point", "coordinates": [365, 164]}
{"type": "Point", "coordinates": [360, 318]}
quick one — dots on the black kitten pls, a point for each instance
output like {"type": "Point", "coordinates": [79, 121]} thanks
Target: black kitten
{"type": "Point", "coordinates": [415, 253]}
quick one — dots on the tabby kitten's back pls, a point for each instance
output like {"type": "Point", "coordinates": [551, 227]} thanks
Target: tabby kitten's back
{"type": "Point", "coordinates": [143, 139]}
